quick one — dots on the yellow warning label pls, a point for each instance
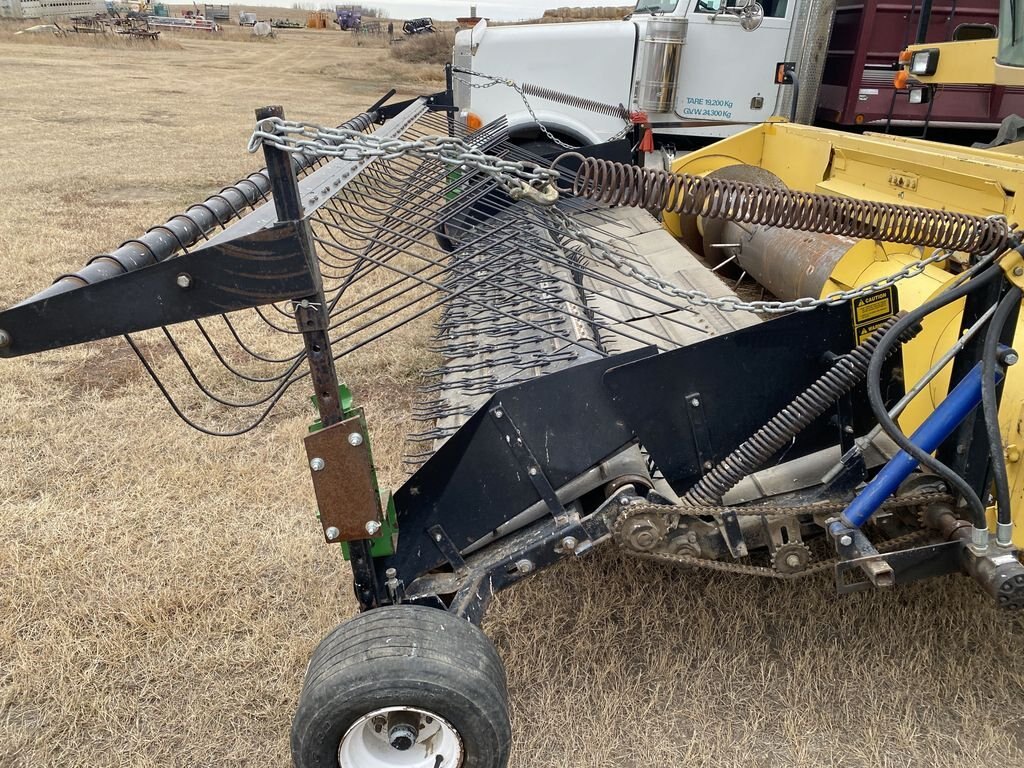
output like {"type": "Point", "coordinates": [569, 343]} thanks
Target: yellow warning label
{"type": "Point", "coordinates": [870, 312]}
{"type": "Point", "coordinates": [874, 306]}
{"type": "Point", "coordinates": [863, 331]}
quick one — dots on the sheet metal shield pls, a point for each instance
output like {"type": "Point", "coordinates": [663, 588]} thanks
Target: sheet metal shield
{"type": "Point", "coordinates": [475, 483]}
{"type": "Point", "coordinates": [743, 379]}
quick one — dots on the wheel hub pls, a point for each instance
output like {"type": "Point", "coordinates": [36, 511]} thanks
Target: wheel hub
{"type": "Point", "coordinates": [400, 737]}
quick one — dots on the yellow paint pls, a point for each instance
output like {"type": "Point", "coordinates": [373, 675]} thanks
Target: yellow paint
{"type": "Point", "coordinates": [910, 172]}
{"type": "Point", "coordinates": [967, 62]}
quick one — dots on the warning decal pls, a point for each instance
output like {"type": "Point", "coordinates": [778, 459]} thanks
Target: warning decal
{"type": "Point", "coordinates": [870, 312]}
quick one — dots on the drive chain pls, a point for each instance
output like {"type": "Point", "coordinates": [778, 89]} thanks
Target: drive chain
{"type": "Point", "coordinates": [636, 510]}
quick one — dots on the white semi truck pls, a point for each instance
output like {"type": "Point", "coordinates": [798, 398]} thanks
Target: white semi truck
{"type": "Point", "coordinates": [700, 69]}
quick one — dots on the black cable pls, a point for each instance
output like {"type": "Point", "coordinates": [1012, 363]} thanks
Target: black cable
{"type": "Point", "coordinates": [990, 404]}
{"type": "Point", "coordinates": [885, 421]}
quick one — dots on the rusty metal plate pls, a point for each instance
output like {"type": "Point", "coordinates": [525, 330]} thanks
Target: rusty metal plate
{"type": "Point", "coordinates": [343, 480]}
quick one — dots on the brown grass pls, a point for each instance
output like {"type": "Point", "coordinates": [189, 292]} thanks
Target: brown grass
{"type": "Point", "coordinates": [433, 48]}
{"type": "Point", "coordinates": [587, 14]}
{"type": "Point", "coordinates": [160, 591]}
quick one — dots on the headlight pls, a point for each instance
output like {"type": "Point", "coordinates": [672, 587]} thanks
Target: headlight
{"type": "Point", "coordinates": [925, 62]}
{"type": "Point", "coordinates": [919, 96]}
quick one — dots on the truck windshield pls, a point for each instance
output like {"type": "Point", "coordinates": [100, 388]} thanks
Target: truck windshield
{"type": "Point", "coordinates": [1011, 33]}
{"type": "Point", "coordinates": [651, 6]}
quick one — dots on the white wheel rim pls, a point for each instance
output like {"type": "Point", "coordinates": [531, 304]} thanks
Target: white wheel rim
{"type": "Point", "coordinates": [365, 744]}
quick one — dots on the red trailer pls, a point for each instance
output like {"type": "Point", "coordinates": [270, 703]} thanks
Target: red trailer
{"type": "Point", "coordinates": [866, 41]}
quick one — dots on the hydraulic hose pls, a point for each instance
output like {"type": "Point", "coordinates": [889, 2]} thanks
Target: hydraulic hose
{"type": "Point", "coordinates": [990, 405]}
{"type": "Point", "coordinates": [874, 386]}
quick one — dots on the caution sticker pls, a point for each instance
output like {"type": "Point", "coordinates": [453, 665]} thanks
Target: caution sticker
{"type": "Point", "coordinates": [870, 312]}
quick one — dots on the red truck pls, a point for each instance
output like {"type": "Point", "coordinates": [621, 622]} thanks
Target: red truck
{"type": "Point", "coordinates": [867, 37]}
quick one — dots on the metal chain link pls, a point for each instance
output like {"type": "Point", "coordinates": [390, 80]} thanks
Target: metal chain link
{"type": "Point", "coordinates": [666, 510]}
{"type": "Point", "coordinates": [734, 303]}
{"type": "Point", "coordinates": [493, 80]}
{"type": "Point", "coordinates": [532, 182]}
{"type": "Point", "coordinates": [311, 140]}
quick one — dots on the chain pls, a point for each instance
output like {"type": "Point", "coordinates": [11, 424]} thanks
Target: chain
{"type": "Point", "coordinates": [525, 180]}
{"type": "Point", "coordinates": [734, 303]}
{"type": "Point", "coordinates": [635, 510]}
{"type": "Point", "coordinates": [493, 80]}
{"type": "Point", "coordinates": [311, 140]}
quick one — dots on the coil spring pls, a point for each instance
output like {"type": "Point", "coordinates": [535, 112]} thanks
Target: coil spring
{"type": "Point", "coordinates": [620, 184]}
{"type": "Point", "coordinates": [754, 452]}
{"type": "Point", "coordinates": [578, 102]}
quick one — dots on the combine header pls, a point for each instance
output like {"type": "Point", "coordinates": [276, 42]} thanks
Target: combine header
{"type": "Point", "coordinates": [595, 382]}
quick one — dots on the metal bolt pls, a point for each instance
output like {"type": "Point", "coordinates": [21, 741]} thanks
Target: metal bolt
{"type": "Point", "coordinates": [793, 560]}
{"type": "Point", "coordinates": [845, 540]}
{"type": "Point", "coordinates": [532, 471]}
{"type": "Point", "coordinates": [402, 737]}
{"type": "Point", "coordinates": [1011, 358]}
{"type": "Point", "coordinates": [355, 439]}
{"type": "Point", "coordinates": [390, 573]}
{"type": "Point", "coordinates": [5, 339]}
{"type": "Point", "coordinates": [695, 402]}
{"type": "Point", "coordinates": [708, 465]}
{"type": "Point", "coordinates": [692, 538]}
{"type": "Point", "coordinates": [623, 500]}
{"type": "Point", "coordinates": [524, 566]}
{"type": "Point", "coordinates": [1018, 271]}
{"type": "Point", "coordinates": [332, 533]}
{"type": "Point", "coordinates": [372, 527]}
{"type": "Point", "coordinates": [184, 281]}
{"type": "Point", "coordinates": [569, 543]}
{"type": "Point", "coordinates": [498, 413]}
{"type": "Point", "coordinates": [317, 464]}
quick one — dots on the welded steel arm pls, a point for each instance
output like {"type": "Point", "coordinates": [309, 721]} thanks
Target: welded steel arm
{"type": "Point", "coordinates": [253, 270]}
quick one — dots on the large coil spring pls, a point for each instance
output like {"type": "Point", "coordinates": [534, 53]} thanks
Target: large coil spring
{"type": "Point", "coordinates": [579, 102]}
{"type": "Point", "coordinates": [753, 453]}
{"type": "Point", "coordinates": [620, 184]}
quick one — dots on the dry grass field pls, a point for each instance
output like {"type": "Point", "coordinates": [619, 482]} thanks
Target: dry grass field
{"type": "Point", "coordinates": [160, 591]}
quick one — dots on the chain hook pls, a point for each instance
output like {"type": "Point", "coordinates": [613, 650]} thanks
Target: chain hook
{"type": "Point", "coordinates": [546, 195]}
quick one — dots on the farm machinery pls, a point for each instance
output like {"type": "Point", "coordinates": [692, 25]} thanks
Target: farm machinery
{"type": "Point", "coordinates": [806, 366]}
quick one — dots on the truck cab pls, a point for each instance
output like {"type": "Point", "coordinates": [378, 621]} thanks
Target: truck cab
{"type": "Point", "coordinates": [699, 69]}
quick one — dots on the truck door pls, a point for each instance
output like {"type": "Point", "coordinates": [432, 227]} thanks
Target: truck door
{"type": "Point", "coordinates": [727, 74]}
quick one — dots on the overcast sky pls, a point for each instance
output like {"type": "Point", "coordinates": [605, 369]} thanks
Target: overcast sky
{"type": "Point", "coordinates": [449, 9]}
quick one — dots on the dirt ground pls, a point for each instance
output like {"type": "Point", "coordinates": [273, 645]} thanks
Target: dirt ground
{"type": "Point", "coordinates": [160, 591]}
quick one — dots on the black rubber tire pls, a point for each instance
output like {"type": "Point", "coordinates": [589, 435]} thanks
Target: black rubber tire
{"type": "Point", "coordinates": [410, 656]}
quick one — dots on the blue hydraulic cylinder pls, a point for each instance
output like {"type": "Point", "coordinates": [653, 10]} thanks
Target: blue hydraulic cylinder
{"type": "Point", "coordinates": [965, 397]}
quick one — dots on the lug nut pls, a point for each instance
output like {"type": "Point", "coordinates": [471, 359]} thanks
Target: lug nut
{"type": "Point", "coordinates": [355, 439]}
{"type": "Point", "coordinates": [332, 533]}
{"type": "Point", "coordinates": [317, 464]}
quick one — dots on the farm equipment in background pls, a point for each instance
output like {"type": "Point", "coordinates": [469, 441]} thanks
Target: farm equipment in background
{"type": "Point", "coordinates": [421, 26]}
{"type": "Point", "coordinates": [348, 17]}
{"type": "Point", "coordinates": [219, 14]}
{"type": "Point", "coordinates": [246, 19]}
{"type": "Point", "coordinates": [285, 24]}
